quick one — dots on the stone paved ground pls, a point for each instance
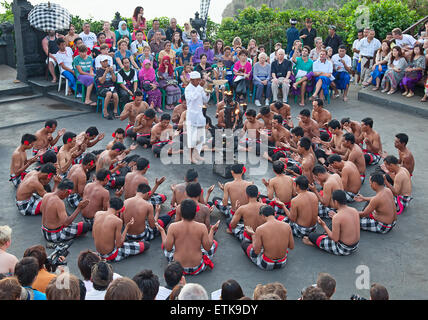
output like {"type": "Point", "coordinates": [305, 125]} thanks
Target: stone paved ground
{"type": "Point", "coordinates": [398, 260]}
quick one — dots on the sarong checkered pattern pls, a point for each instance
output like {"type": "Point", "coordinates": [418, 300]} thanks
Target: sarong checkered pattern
{"type": "Point", "coordinates": [74, 200]}
{"type": "Point", "coordinates": [30, 207]}
{"type": "Point", "coordinates": [350, 196]}
{"type": "Point", "coordinates": [262, 261]}
{"type": "Point", "coordinates": [372, 225]}
{"type": "Point", "coordinates": [337, 248]}
{"type": "Point", "coordinates": [363, 179]}
{"type": "Point", "coordinates": [90, 222]}
{"type": "Point", "coordinates": [16, 180]}
{"type": "Point", "coordinates": [323, 211]}
{"type": "Point", "coordinates": [374, 157]}
{"type": "Point", "coordinates": [226, 210]}
{"type": "Point", "coordinates": [79, 159]}
{"type": "Point", "coordinates": [300, 231]}
{"type": "Point", "coordinates": [239, 232]}
{"type": "Point", "coordinates": [148, 233]}
{"type": "Point", "coordinates": [128, 249]}
{"type": "Point", "coordinates": [205, 262]}
{"type": "Point", "coordinates": [157, 199]}
{"type": "Point", "coordinates": [274, 205]}
{"type": "Point", "coordinates": [402, 202]}
{"type": "Point", "coordinates": [64, 233]}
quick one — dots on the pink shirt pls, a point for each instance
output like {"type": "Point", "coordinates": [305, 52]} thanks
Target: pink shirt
{"type": "Point", "coordinates": [238, 67]}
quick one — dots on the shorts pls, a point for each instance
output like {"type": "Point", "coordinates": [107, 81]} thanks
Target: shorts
{"type": "Point", "coordinates": [102, 92]}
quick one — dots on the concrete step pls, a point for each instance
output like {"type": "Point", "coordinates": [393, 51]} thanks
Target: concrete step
{"type": "Point", "coordinates": [42, 85]}
{"type": "Point", "coordinates": [69, 100]}
{"type": "Point", "coordinates": [10, 98]}
{"type": "Point", "coordinates": [395, 101]}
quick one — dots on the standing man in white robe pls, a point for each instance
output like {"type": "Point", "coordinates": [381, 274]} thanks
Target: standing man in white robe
{"type": "Point", "coordinates": [196, 97]}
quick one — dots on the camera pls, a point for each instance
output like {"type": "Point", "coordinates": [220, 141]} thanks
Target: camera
{"type": "Point", "coordinates": [357, 297]}
{"type": "Point", "coordinates": [61, 250]}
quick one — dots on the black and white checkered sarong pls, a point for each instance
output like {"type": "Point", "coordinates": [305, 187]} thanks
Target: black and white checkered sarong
{"type": "Point", "coordinates": [128, 249]}
{"type": "Point", "coordinates": [261, 260]}
{"type": "Point", "coordinates": [323, 211]}
{"type": "Point", "coordinates": [298, 230]}
{"type": "Point", "coordinates": [337, 248]}
{"type": "Point", "coordinates": [157, 199]}
{"type": "Point", "coordinates": [402, 202]}
{"type": "Point", "coordinates": [30, 207]}
{"type": "Point", "coordinates": [372, 225]}
{"type": "Point", "coordinates": [226, 210]}
{"type": "Point", "coordinates": [65, 233]}
{"type": "Point", "coordinates": [350, 196]}
{"type": "Point", "coordinates": [74, 200]}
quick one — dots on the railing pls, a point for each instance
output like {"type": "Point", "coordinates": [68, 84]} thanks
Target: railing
{"type": "Point", "coordinates": [411, 30]}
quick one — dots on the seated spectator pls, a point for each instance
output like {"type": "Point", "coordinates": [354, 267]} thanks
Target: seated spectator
{"type": "Point", "coordinates": [219, 74]}
{"type": "Point", "coordinates": [262, 79]}
{"type": "Point", "coordinates": [7, 260]}
{"type": "Point", "coordinates": [71, 36]}
{"type": "Point", "coordinates": [194, 42]}
{"type": "Point", "coordinates": [101, 277]}
{"type": "Point", "coordinates": [327, 284]}
{"type": "Point", "coordinates": [323, 73]}
{"type": "Point", "coordinates": [402, 40]}
{"type": "Point", "coordinates": [383, 55]}
{"type": "Point", "coordinates": [176, 44]}
{"type": "Point", "coordinates": [314, 293]}
{"type": "Point", "coordinates": [127, 79]}
{"type": "Point", "coordinates": [146, 55]}
{"type": "Point", "coordinates": [110, 35]}
{"type": "Point", "coordinates": [26, 271]}
{"type": "Point", "coordinates": [148, 283]}
{"type": "Point", "coordinates": [228, 64]}
{"type": "Point", "coordinates": [138, 45]}
{"type": "Point", "coordinates": [168, 83]}
{"type": "Point", "coordinates": [101, 41]}
{"type": "Point", "coordinates": [50, 47]}
{"type": "Point", "coordinates": [329, 53]}
{"type": "Point", "coordinates": [170, 32]}
{"type": "Point", "coordinates": [231, 290]}
{"type": "Point", "coordinates": [205, 49]}
{"type": "Point", "coordinates": [281, 72]}
{"type": "Point", "coordinates": [262, 49]}
{"type": "Point", "coordinates": [193, 291]}
{"type": "Point", "coordinates": [77, 43]}
{"type": "Point", "coordinates": [204, 67]}
{"type": "Point", "coordinates": [414, 71]}
{"type": "Point", "coordinates": [315, 52]}
{"type": "Point", "coordinates": [43, 277]}
{"type": "Point", "coordinates": [242, 71]}
{"type": "Point", "coordinates": [84, 72]}
{"type": "Point", "coordinates": [185, 75]}
{"type": "Point", "coordinates": [176, 291]}
{"type": "Point", "coordinates": [106, 88]}
{"type": "Point", "coordinates": [138, 22]}
{"type": "Point", "coordinates": [356, 63]}
{"type": "Point", "coordinates": [63, 287]}
{"type": "Point", "coordinates": [123, 289]}
{"type": "Point", "coordinates": [395, 73]}
{"type": "Point", "coordinates": [252, 50]}
{"type": "Point", "coordinates": [157, 44]}
{"type": "Point", "coordinates": [89, 38]}
{"type": "Point", "coordinates": [104, 53]}
{"type": "Point", "coordinates": [272, 57]}
{"type": "Point", "coordinates": [156, 28]}
{"type": "Point", "coordinates": [303, 66]}
{"type": "Point", "coordinates": [10, 289]}
{"type": "Point", "coordinates": [173, 276]}
{"type": "Point", "coordinates": [167, 51]}
{"type": "Point", "coordinates": [218, 50]}
{"type": "Point", "coordinates": [185, 57]}
{"type": "Point", "coordinates": [270, 288]}
{"type": "Point", "coordinates": [342, 65]}
{"type": "Point", "coordinates": [150, 86]}
{"type": "Point", "coordinates": [296, 49]}
{"type": "Point", "coordinates": [85, 261]}
{"type": "Point", "coordinates": [378, 292]}
{"type": "Point", "coordinates": [236, 43]}
{"type": "Point", "coordinates": [186, 33]}
{"type": "Point", "coordinates": [122, 31]}
{"type": "Point", "coordinates": [121, 53]}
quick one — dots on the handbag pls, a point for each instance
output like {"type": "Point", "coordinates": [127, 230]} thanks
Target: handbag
{"type": "Point", "coordinates": [147, 86]}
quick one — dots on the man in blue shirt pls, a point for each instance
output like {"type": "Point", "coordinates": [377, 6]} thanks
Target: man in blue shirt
{"type": "Point", "coordinates": [205, 49]}
{"type": "Point", "coordinates": [195, 43]}
{"type": "Point", "coordinates": [26, 271]}
{"type": "Point", "coordinates": [292, 35]}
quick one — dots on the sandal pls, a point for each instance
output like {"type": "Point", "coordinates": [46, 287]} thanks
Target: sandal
{"type": "Point", "coordinates": [116, 115]}
{"type": "Point", "coordinates": [424, 99]}
{"type": "Point", "coordinates": [375, 89]}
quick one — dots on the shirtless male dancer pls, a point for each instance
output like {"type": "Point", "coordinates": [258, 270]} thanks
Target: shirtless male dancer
{"type": "Point", "coordinates": [405, 156]}
{"type": "Point", "coordinates": [118, 136]}
{"type": "Point", "coordinates": [189, 242]}
{"type": "Point", "coordinates": [57, 226]}
{"type": "Point", "coordinates": [402, 186]}
{"type": "Point", "coordinates": [305, 157]}
{"type": "Point", "coordinates": [45, 141]}
{"type": "Point", "coordinates": [110, 240]}
{"type": "Point", "coordinates": [178, 110]}
{"type": "Point", "coordinates": [97, 195]}
{"type": "Point", "coordinates": [161, 135]}
{"type": "Point", "coordinates": [234, 190]}
{"type": "Point", "coordinates": [284, 110]}
{"type": "Point", "coordinates": [380, 215]}
{"type": "Point", "coordinates": [309, 125]}
{"type": "Point", "coordinates": [19, 163]}
{"type": "Point", "coordinates": [355, 154]}
{"type": "Point", "coordinates": [354, 127]}
{"type": "Point", "coordinates": [329, 183]}
{"type": "Point", "coordinates": [371, 138]}
{"type": "Point", "coordinates": [179, 190]}
{"type": "Point", "coordinates": [131, 111]}
{"type": "Point", "coordinates": [267, 116]}
{"type": "Point", "coordinates": [143, 127]}
{"type": "Point", "coordinates": [68, 153]}
{"type": "Point", "coordinates": [335, 145]}
{"type": "Point", "coordinates": [141, 210]}
{"type": "Point", "coordinates": [280, 135]}
{"type": "Point", "coordinates": [274, 237]}
{"type": "Point", "coordinates": [87, 139]}
{"type": "Point", "coordinates": [280, 187]}
{"type": "Point", "coordinates": [349, 174]}
{"type": "Point", "coordinates": [303, 214]}
{"type": "Point", "coordinates": [252, 128]}
{"type": "Point", "coordinates": [78, 175]}
{"type": "Point", "coordinates": [344, 236]}
{"type": "Point", "coordinates": [321, 116]}
{"type": "Point", "coordinates": [32, 189]}
{"type": "Point", "coordinates": [249, 213]}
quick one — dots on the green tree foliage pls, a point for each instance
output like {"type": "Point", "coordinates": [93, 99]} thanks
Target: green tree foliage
{"type": "Point", "coordinates": [8, 15]}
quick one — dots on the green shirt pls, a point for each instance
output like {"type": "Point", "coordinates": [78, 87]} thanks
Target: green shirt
{"type": "Point", "coordinates": [302, 65]}
{"type": "Point", "coordinates": [84, 64]}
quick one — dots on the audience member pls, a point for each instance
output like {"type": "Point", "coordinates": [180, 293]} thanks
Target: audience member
{"type": "Point", "coordinates": [327, 284]}
{"type": "Point", "coordinates": [7, 260]}
{"type": "Point", "coordinates": [333, 40]}
{"type": "Point", "coordinates": [172, 30]}
{"type": "Point", "coordinates": [193, 291]}
{"type": "Point", "coordinates": [10, 289]}
{"type": "Point", "coordinates": [148, 283]}
{"type": "Point", "coordinates": [101, 277]}
{"type": "Point", "coordinates": [173, 276]}
{"type": "Point", "coordinates": [123, 289]}
{"type": "Point", "coordinates": [43, 277]}
{"type": "Point", "coordinates": [156, 28]}
{"type": "Point", "coordinates": [231, 290]}
{"type": "Point", "coordinates": [63, 287]}
{"type": "Point", "coordinates": [89, 38]}
{"type": "Point", "coordinates": [308, 34]}
{"type": "Point", "coordinates": [26, 271]}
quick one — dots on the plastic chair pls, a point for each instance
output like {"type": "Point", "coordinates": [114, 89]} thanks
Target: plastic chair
{"type": "Point", "coordinates": [78, 83]}
{"type": "Point", "coordinates": [60, 83]}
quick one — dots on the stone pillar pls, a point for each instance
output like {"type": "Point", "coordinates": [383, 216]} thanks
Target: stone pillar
{"type": "Point", "coordinates": [6, 40]}
{"type": "Point", "coordinates": [29, 53]}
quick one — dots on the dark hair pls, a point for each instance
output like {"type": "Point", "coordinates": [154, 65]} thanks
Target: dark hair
{"type": "Point", "coordinates": [138, 93]}
{"type": "Point", "coordinates": [278, 167]}
{"type": "Point", "coordinates": [305, 143]}
{"type": "Point", "coordinates": [148, 283]}
{"type": "Point", "coordinates": [137, 12]}
{"type": "Point", "coordinates": [345, 120]}
{"type": "Point", "coordinates": [123, 289]}
{"type": "Point", "coordinates": [143, 188]}
{"type": "Point", "coordinates": [203, 55]}
{"type": "Point", "coordinates": [231, 290]}
{"type": "Point", "coordinates": [85, 261]}
{"type": "Point", "coordinates": [78, 39]}
{"type": "Point", "coordinates": [119, 131]}
{"type": "Point", "coordinates": [116, 203]}
{"type": "Point", "coordinates": [243, 52]}
{"type": "Point", "coordinates": [342, 46]}
{"type": "Point", "coordinates": [334, 158]}
{"type": "Point", "coordinates": [173, 274]}
{"type": "Point", "coordinates": [38, 252]}
{"type": "Point", "coordinates": [349, 137]}
{"type": "Point", "coordinates": [193, 190]}
{"type": "Point", "coordinates": [93, 131]}
{"type": "Point", "coordinates": [68, 136]}
{"type": "Point", "coordinates": [279, 104]}
{"type": "Point", "coordinates": [403, 138]}
{"type": "Point", "coordinates": [391, 160]}
{"type": "Point", "coordinates": [150, 113]}
{"type": "Point", "coordinates": [264, 110]}
{"type": "Point", "coordinates": [59, 41]}
{"type": "Point", "coordinates": [48, 157]}
{"type": "Point", "coordinates": [26, 271]}
{"type": "Point", "coordinates": [339, 196]}
{"type": "Point", "coordinates": [101, 275]}
{"type": "Point", "coordinates": [50, 123]}
{"type": "Point", "coordinates": [142, 163]}
{"type": "Point", "coordinates": [334, 124]}
{"type": "Point", "coordinates": [237, 168]}
{"type": "Point", "coordinates": [252, 191]}
{"type": "Point", "coordinates": [30, 138]}
{"type": "Point", "coordinates": [368, 122]}
{"type": "Point", "coordinates": [267, 211]}
{"type": "Point", "coordinates": [193, 31]}
{"type": "Point", "coordinates": [88, 158]}
{"type": "Point", "coordinates": [378, 292]}
{"type": "Point", "coordinates": [319, 102]}
{"type": "Point", "coordinates": [278, 118]}
{"type": "Point", "coordinates": [185, 46]}
{"type": "Point", "coordinates": [101, 34]}
{"type": "Point", "coordinates": [314, 293]}
{"type": "Point", "coordinates": [378, 179]}
{"type": "Point", "coordinates": [305, 113]}
{"type": "Point", "coordinates": [298, 131]}
{"type": "Point", "coordinates": [65, 184]}
{"type": "Point", "coordinates": [302, 182]}
{"type": "Point", "coordinates": [165, 116]}
{"type": "Point", "coordinates": [251, 113]}
{"type": "Point", "coordinates": [118, 145]}
{"type": "Point", "coordinates": [318, 169]}
{"type": "Point", "coordinates": [102, 174]}
{"type": "Point", "coordinates": [139, 31]}
{"type": "Point", "coordinates": [191, 175]}
{"type": "Point", "coordinates": [188, 209]}
{"type": "Point", "coordinates": [327, 284]}
{"type": "Point", "coordinates": [48, 168]}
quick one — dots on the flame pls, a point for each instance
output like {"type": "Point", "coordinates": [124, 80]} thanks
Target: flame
{"type": "Point", "coordinates": [236, 111]}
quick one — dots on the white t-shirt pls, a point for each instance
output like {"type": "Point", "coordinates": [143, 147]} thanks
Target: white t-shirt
{"type": "Point", "coordinates": [89, 286]}
{"type": "Point", "coordinates": [368, 49]}
{"type": "Point", "coordinates": [326, 67]}
{"type": "Point", "coordinates": [88, 39]}
{"type": "Point", "coordinates": [120, 79]}
{"type": "Point", "coordinates": [337, 65]}
{"type": "Point", "coordinates": [356, 45]}
{"type": "Point", "coordinates": [65, 57]}
{"type": "Point", "coordinates": [163, 293]}
{"type": "Point", "coordinates": [407, 40]}
{"type": "Point", "coordinates": [272, 57]}
{"type": "Point", "coordinates": [135, 45]}
{"type": "Point", "coordinates": [95, 295]}
{"type": "Point", "coordinates": [99, 58]}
